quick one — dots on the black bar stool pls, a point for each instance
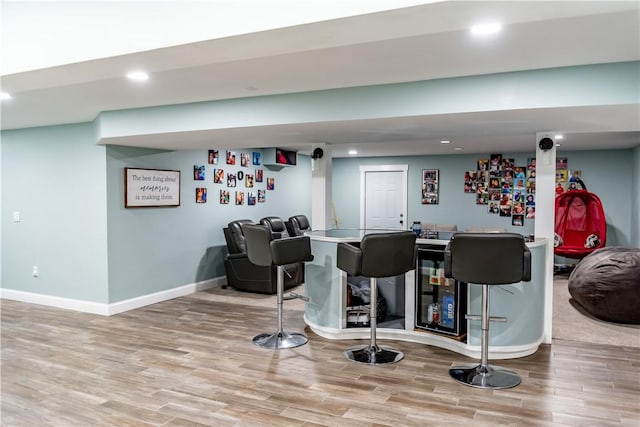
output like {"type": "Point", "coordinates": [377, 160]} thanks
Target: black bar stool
{"type": "Point", "coordinates": [379, 255]}
{"type": "Point", "coordinates": [487, 259]}
{"type": "Point", "coordinates": [263, 251]}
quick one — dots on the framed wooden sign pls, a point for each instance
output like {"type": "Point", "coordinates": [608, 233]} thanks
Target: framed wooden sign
{"type": "Point", "coordinates": [151, 188]}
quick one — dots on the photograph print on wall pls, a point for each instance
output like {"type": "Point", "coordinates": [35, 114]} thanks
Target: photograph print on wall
{"type": "Point", "coordinates": [430, 183]}
{"type": "Point", "coordinates": [198, 172]}
{"type": "Point", "coordinates": [224, 197]}
{"type": "Point", "coordinates": [517, 220]}
{"type": "Point", "coordinates": [218, 176]}
{"type": "Point", "coordinates": [244, 159]}
{"type": "Point", "coordinates": [239, 197]}
{"type": "Point", "coordinates": [231, 157]}
{"type": "Point", "coordinates": [213, 157]}
{"type": "Point", "coordinates": [201, 195]}
{"type": "Point", "coordinates": [231, 180]}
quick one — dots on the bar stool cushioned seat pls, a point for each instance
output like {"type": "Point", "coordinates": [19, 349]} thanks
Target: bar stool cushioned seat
{"type": "Point", "coordinates": [262, 250]}
{"type": "Point", "coordinates": [487, 259]}
{"type": "Point", "coordinates": [379, 255]}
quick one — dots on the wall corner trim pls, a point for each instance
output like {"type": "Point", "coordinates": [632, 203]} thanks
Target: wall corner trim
{"type": "Point", "coordinates": [115, 308]}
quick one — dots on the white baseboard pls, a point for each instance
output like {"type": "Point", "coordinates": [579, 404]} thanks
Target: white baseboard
{"type": "Point", "coordinates": [115, 308]}
{"type": "Point", "coordinates": [53, 301]}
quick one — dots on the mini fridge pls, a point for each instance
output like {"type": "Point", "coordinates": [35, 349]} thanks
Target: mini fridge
{"type": "Point", "coordinates": [441, 303]}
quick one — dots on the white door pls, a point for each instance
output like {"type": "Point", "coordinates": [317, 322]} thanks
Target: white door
{"type": "Point", "coordinates": [384, 204]}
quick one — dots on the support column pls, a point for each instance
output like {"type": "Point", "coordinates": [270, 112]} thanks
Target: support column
{"type": "Point", "coordinates": [321, 199]}
{"type": "Point", "coordinates": [545, 219]}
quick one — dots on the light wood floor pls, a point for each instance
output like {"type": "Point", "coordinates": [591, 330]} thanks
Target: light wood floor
{"type": "Point", "coordinates": [190, 362]}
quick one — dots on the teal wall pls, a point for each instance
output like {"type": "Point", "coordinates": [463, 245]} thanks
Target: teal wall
{"type": "Point", "coordinates": [74, 227]}
{"type": "Point", "coordinates": [455, 206]}
{"type": "Point", "coordinates": [635, 199]}
{"type": "Point", "coordinates": [605, 172]}
{"type": "Point", "coordinates": [88, 247]}
{"type": "Point", "coordinates": [608, 173]}
{"type": "Point", "coordinates": [154, 249]}
{"type": "Point", "coordinates": [56, 178]}
{"type": "Point", "coordinates": [583, 86]}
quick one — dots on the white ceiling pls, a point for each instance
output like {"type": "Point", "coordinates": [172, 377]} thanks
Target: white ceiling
{"type": "Point", "coordinates": [410, 44]}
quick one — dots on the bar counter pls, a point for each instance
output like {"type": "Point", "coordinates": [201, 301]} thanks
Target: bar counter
{"type": "Point", "coordinates": [521, 303]}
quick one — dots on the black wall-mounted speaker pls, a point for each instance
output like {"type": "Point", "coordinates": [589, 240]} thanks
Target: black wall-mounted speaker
{"type": "Point", "coordinates": [317, 153]}
{"type": "Point", "coordinates": [546, 144]}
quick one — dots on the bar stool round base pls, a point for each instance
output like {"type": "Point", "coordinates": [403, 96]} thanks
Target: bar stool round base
{"type": "Point", "coordinates": [278, 340]}
{"type": "Point", "coordinates": [490, 377]}
{"type": "Point", "coordinates": [373, 355]}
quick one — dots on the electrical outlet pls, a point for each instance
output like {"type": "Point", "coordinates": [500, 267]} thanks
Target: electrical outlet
{"type": "Point", "coordinates": [35, 272]}
{"type": "Point", "coordinates": [16, 216]}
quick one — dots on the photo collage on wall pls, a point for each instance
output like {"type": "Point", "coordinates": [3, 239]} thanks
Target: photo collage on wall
{"type": "Point", "coordinates": [506, 189]}
{"type": "Point", "coordinates": [234, 178]}
{"type": "Point", "coordinates": [430, 186]}
{"type": "Point", "coordinates": [509, 190]}
{"type": "Point", "coordinates": [566, 180]}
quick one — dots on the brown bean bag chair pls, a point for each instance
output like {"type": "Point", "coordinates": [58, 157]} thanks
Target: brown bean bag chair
{"type": "Point", "coordinates": [607, 284]}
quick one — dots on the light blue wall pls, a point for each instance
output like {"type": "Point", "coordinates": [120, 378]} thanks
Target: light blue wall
{"type": "Point", "coordinates": [635, 199]}
{"type": "Point", "coordinates": [74, 227]}
{"type": "Point", "coordinates": [56, 178]}
{"type": "Point", "coordinates": [455, 206]}
{"type": "Point", "coordinates": [154, 249]}
{"type": "Point", "coordinates": [606, 173]}
{"type": "Point", "coordinates": [588, 85]}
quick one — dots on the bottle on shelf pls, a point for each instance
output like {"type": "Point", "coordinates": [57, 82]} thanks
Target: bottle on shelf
{"type": "Point", "coordinates": [448, 305]}
{"type": "Point", "coordinates": [416, 227]}
{"type": "Point", "coordinates": [433, 313]}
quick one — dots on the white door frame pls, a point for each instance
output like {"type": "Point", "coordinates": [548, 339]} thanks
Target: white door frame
{"type": "Point", "coordinates": [383, 168]}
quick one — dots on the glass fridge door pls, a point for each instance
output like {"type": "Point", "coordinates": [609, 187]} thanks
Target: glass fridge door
{"type": "Point", "coordinates": [440, 302]}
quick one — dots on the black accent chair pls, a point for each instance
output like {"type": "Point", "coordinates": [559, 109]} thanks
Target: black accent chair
{"type": "Point", "coordinates": [276, 226]}
{"type": "Point", "coordinates": [265, 251]}
{"type": "Point", "coordinates": [297, 225]}
{"type": "Point", "coordinates": [243, 275]}
{"type": "Point", "coordinates": [487, 259]}
{"type": "Point", "coordinates": [379, 255]}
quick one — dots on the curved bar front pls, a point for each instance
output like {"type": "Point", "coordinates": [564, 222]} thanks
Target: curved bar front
{"type": "Point", "coordinates": [521, 303]}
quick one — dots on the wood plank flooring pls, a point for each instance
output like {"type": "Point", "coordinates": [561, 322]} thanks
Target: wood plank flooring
{"type": "Point", "coordinates": [190, 362]}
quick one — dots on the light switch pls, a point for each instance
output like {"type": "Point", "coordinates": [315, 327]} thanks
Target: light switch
{"type": "Point", "coordinates": [16, 216]}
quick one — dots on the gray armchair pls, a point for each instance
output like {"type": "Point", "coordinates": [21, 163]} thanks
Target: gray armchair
{"type": "Point", "coordinates": [276, 226]}
{"type": "Point", "coordinates": [245, 276]}
{"type": "Point", "coordinates": [297, 225]}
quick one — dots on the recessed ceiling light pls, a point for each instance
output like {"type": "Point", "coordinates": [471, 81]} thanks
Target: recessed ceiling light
{"type": "Point", "coordinates": [485, 29]}
{"type": "Point", "coordinates": [352, 152]}
{"type": "Point", "coordinates": [458, 149]}
{"type": "Point", "coordinates": [4, 96]}
{"type": "Point", "coordinates": [559, 136]}
{"type": "Point", "coordinates": [138, 76]}
{"type": "Point", "coordinates": [445, 142]}
{"type": "Point", "coordinates": [557, 145]}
